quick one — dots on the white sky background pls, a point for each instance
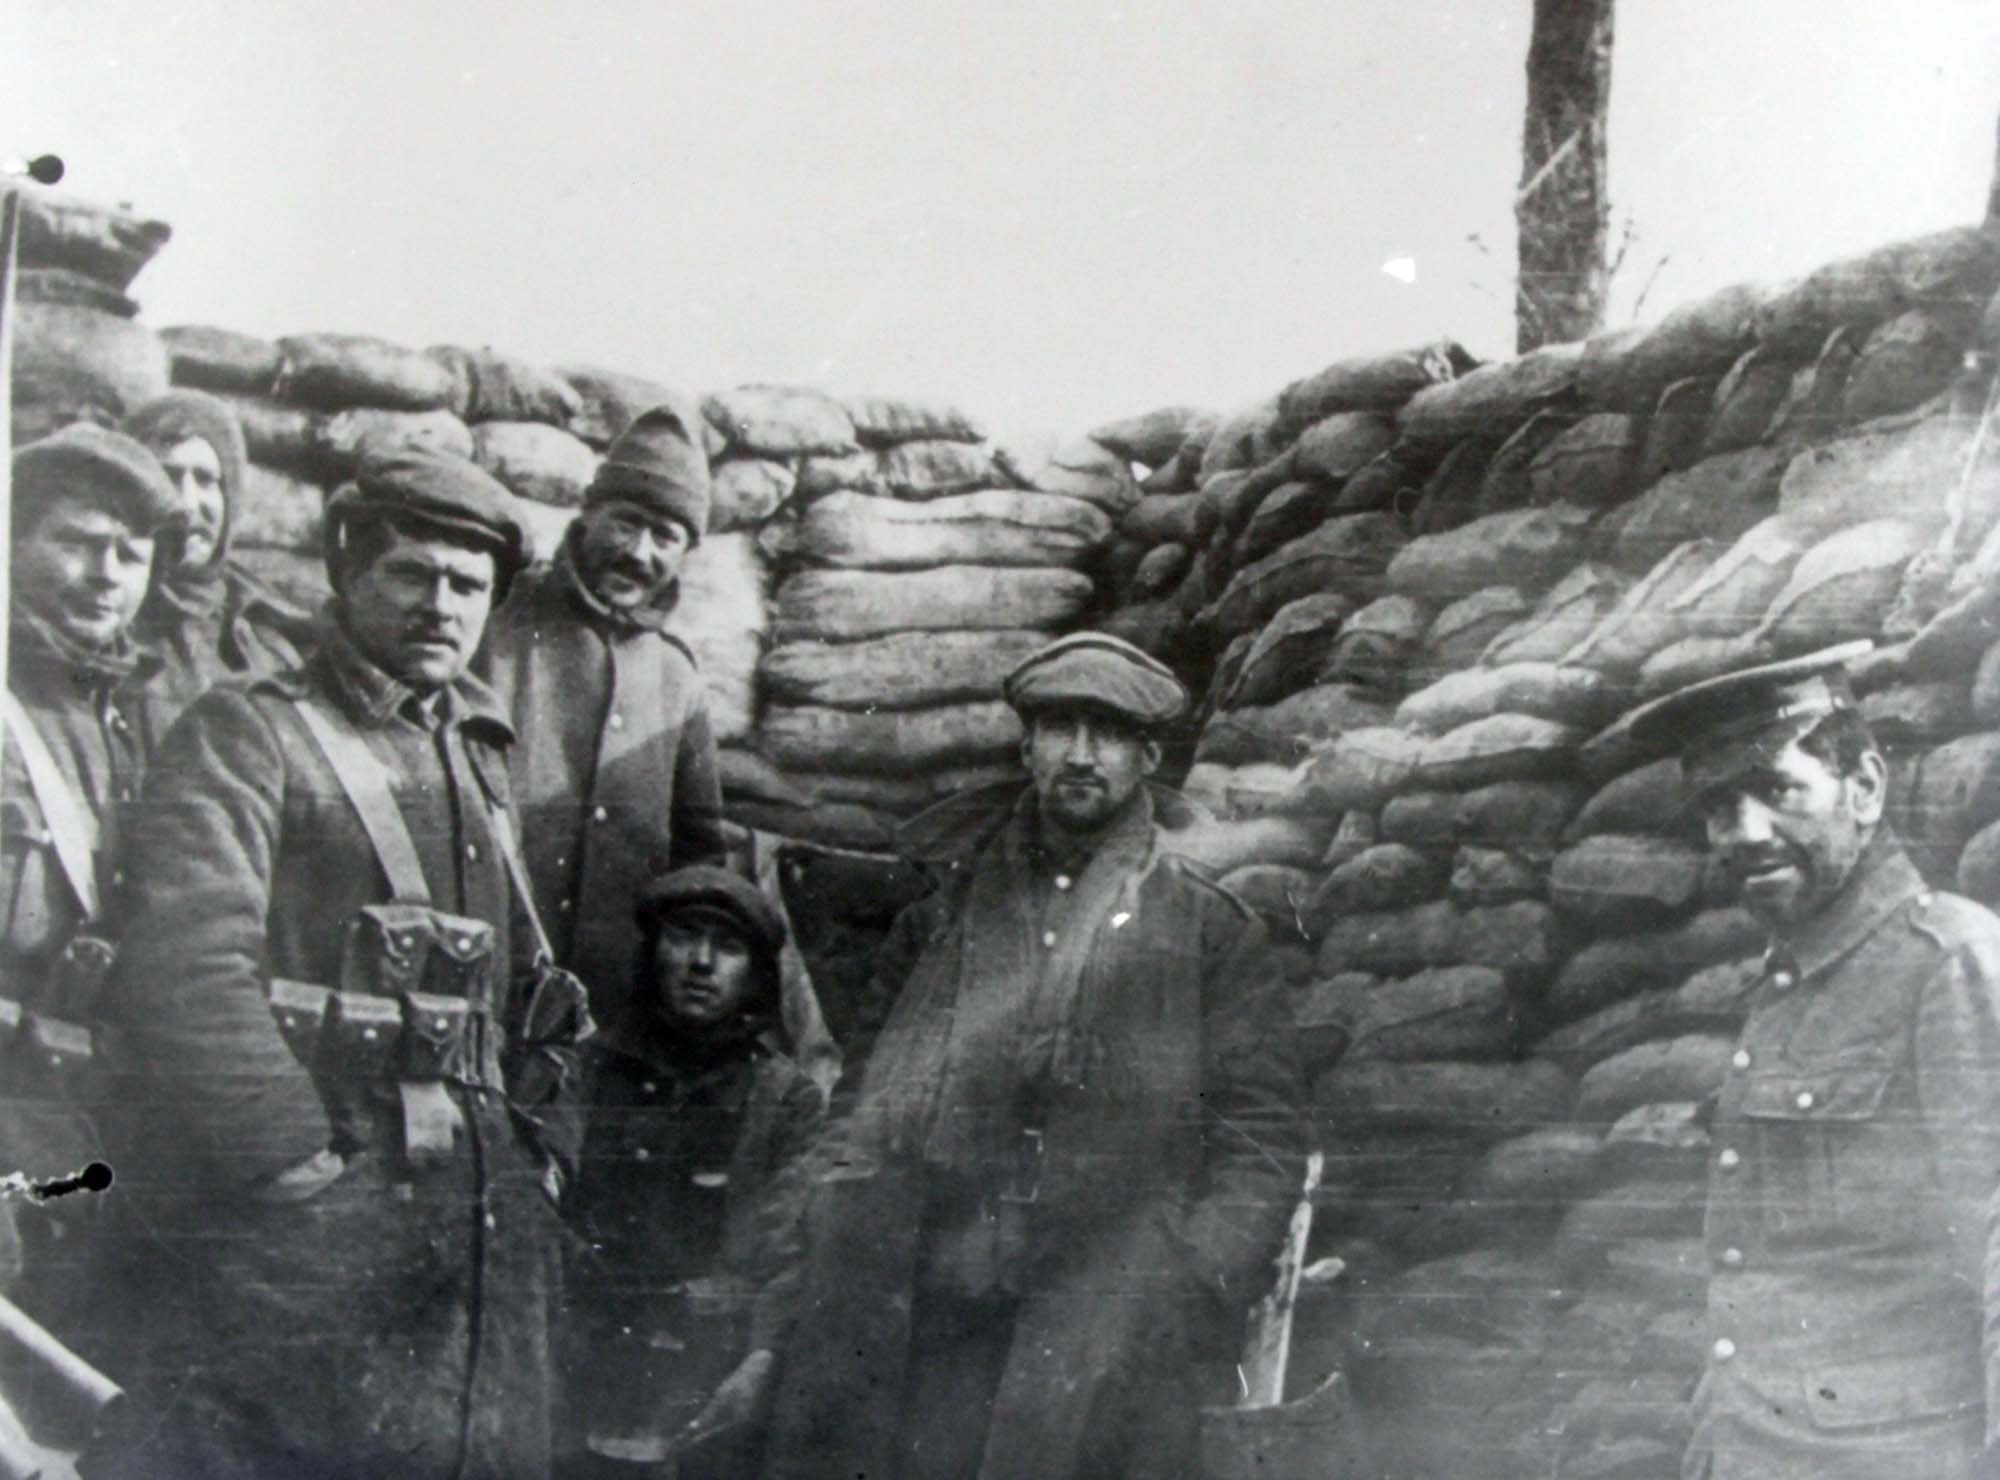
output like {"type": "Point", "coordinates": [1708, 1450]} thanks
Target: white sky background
{"type": "Point", "coordinates": [1052, 213]}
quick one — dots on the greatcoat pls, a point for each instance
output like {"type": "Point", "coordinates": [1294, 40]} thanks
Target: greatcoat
{"type": "Point", "coordinates": [1082, 1117]}
{"type": "Point", "coordinates": [395, 1319]}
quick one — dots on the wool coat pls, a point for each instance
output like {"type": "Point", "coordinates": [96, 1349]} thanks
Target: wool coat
{"type": "Point", "coordinates": [614, 764]}
{"type": "Point", "coordinates": [391, 1318]}
{"type": "Point", "coordinates": [1087, 1059]}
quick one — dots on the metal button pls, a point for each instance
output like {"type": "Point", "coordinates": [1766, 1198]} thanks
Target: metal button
{"type": "Point", "coordinates": [650, 1087]}
{"type": "Point", "coordinates": [1782, 978]}
{"type": "Point", "coordinates": [1730, 1159]}
{"type": "Point", "coordinates": [465, 942]}
{"type": "Point", "coordinates": [1724, 1349]}
{"type": "Point", "coordinates": [617, 720]}
{"type": "Point", "coordinates": [369, 1035]}
{"type": "Point", "coordinates": [118, 878]}
{"type": "Point", "coordinates": [492, 1222]}
{"type": "Point", "coordinates": [472, 851]}
{"type": "Point", "coordinates": [1063, 881]}
{"type": "Point", "coordinates": [1741, 1058]}
{"type": "Point", "coordinates": [565, 905]}
{"type": "Point", "coordinates": [1733, 1258]}
{"type": "Point", "coordinates": [598, 814]}
{"type": "Point", "coordinates": [441, 1023]}
{"type": "Point", "coordinates": [1805, 1099]}
{"type": "Point", "coordinates": [640, 1153]}
{"type": "Point", "coordinates": [1048, 937]}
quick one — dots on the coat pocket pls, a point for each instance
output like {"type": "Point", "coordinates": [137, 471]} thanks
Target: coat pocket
{"type": "Point", "coordinates": [1877, 1391]}
{"type": "Point", "coordinates": [1827, 1149]}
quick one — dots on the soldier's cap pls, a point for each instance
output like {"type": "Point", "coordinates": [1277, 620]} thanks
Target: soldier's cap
{"type": "Point", "coordinates": [657, 463]}
{"type": "Point", "coordinates": [426, 487]}
{"type": "Point", "coordinates": [108, 469]}
{"type": "Point", "coordinates": [1724, 726]}
{"type": "Point", "coordinates": [718, 893]}
{"type": "Point", "coordinates": [1094, 670]}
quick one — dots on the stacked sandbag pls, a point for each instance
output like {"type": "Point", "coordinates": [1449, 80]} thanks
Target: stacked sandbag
{"type": "Point", "coordinates": [79, 354]}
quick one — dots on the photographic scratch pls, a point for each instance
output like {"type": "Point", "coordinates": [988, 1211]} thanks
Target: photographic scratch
{"type": "Point", "coordinates": [96, 1177]}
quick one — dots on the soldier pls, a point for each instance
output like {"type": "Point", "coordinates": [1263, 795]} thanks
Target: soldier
{"type": "Point", "coordinates": [1850, 1231]}
{"type": "Point", "coordinates": [1075, 1143]}
{"type": "Point", "coordinates": [688, 1197]}
{"type": "Point", "coordinates": [87, 507]}
{"type": "Point", "coordinates": [347, 1096]}
{"type": "Point", "coordinates": [614, 762]}
{"type": "Point", "coordinates": [206, 617]}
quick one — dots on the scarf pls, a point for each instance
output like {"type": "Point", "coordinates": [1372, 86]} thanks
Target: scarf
{"type": "Point", "coordinates": [39, 650]}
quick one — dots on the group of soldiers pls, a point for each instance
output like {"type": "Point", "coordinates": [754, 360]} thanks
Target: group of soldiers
{"type": "Point", "coordinates": [467, 1105]}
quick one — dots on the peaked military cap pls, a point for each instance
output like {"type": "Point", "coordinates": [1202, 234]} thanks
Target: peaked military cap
{"type": "Point", "coordinates": [1095, 670]}
{"type": "Point", "coordinates": [1723, 726]}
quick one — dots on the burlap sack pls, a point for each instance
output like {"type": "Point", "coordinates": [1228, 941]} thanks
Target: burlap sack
{"type": "Point", "coordinates": [1926, 713]}
{"type": "Point", "coordinates": [1746, 401]}
{"type": "Point", "coordinates": [333, 371]}
{"type": "Point", "coordinates": [994, 527]}
{"type": "Point", "coordinates": [1284, 656]}
{"type": "Point", "coordinates": [278, 511]}
{"type": "Point", "coordinates": [1646, 799]}
{"type": "Point", "coordinates": [340, 438]}
{"type": "Point", "coordinates": [1454, 1012]}
{"type": "Point", "coordinates": [1674, 435]}
{"type": "Point", "coordinates": [1222, 846]}
{"type": "Point", "coordinates": [722, 618]}
{"type": "Point", "coordinates": [1699, 339]}
{"type": "Point", "coordinates": [843, 605]}
{"type": "Point", "coordinates": [1275, 891]}
{"type": "Point", "coordinates": [1525, 815]}
{"type": "Point", "coordinates": [747, 776]}
{"type": "Point", "coordinates": [1614, 968]}
{"type": "Point", "coordinates": [1347, 555]}
{"type": "Point", "coordinates": [1952, 272]}
{"type": "Point", "coordinates": [1590, 464]}
{"type": "Point", "coordinates": [1237, 442]}
{"type": "Point", "coordinates": [1956, 792]}
{"type": "Point", "coordinates": [1506, 482]}
{"type": "Point", "coordinates": [1153, 437]}
{"type": "Point", "coordinates": [1084, 470]}
{"type": "Point", "coordinates": [1570, 696]}
{"type": "Point", "coordinates": [1978, 874]}
{"type": "Point", "coordinates": [535, 461]}
{"type": "Point", "coordinates": [1712, 1000]}
{"type": "Point", "coordinates": [1388, 876]}
{"type": "Point", "coordinates": [1906, 468]}
{"type": "Point", "coordinates": [1370, 383]}
{"type": "Point", "coordinates": [491, 386]}
{"type": "Point", "coordinates": [1569, 612]}
{"type": "Point", "coordinates": [745, 491]}
{"type": "Point", "coordinates": [1159, 572]}
{"type": "Point", "coordinates": [1449, 493]}
{"type": "Point", "coordinates": [883, 421]}
{"type": "Point", "coordinates": [1816, 405]}
{"type": "Point", "coordinates": [1288, 731]}
{"type": "Point", "coordinates": [1643, 621]}
{"type": "Point", "coordinates": [1338, 446]}
{"type": "Point", "coordinates": [1841, 588]}
{"type": "Point", "coordinates": [78, 364]}
{"type": "Point", "coordinates": [1494, 399]}
{"type": "Point", "coordinates": [1489, 1102]}
{"type": "Point", "coordinates": [1625, 881]}
{"type": "Point", "coordinates": [1362, 768]}
{"type": "Point", "coordinates": [1376, 644]}
{"type": "Point", "coordinates": [1730, 597]}
{"type": "Point", "coordinates": [278, 435]}
{"type": "Point", "coordinates": [1422, 819]}
{"type": "Point", "coordinates": [903, 670]}
{"type": "Point", "coordinates": [1392, 943]}
{"type": "Point", "coordinates": [214, 359]}
{"type": "Point", "coordinates": [813, 738]}
{"type": "Point", "coordinates": [1169, 518]}
{"type": "Point", "coordinates": [608, 401]}
{"type": "Point", "coordinates": [1465, 628]}
{"type": "Point", "coordinates": [1525, 549]}
{"type": "Point", "coordinates": [61, 230]}
{"type": "Point", "coordinates": [1522, 940]}
{"type": "Point", "coordinates": [1501, 747]}
{"type": "Point", "coordinates": [780, 421]}
{"type": "Point", "coordinates": [901, 795]}
{"type": "Point", "coordinates": [1719, 498]}
{"type": "Point", "coordinates": [300, 579]}
{"type": "Point", "coordinates": [1287, 512]}
{"type": "Point", "coordinates": [1483, 876]}
{"type": "Point", "coordinates": [1690, 1067]}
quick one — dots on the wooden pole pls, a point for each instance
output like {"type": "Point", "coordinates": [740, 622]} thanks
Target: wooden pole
{"type": "Point", "coordinates": [1561, 209]}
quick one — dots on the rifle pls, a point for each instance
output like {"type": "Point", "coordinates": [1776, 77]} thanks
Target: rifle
{"type": "Point", "coordinates": [67, 1396]}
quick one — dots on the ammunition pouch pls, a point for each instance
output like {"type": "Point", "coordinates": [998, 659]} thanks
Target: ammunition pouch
{"type": "Point", "coordinates": [49, 1027]}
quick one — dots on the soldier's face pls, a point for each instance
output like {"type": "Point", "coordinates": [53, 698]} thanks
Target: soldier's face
{"type": "Point", "coordinates": [1788, 833]}
{"type": "Point", "coordinates": [629, 554]}
{"type": "Point", "coordinates": [704, 968]}
{"type": "Point", "coordinates": [417, 610]}
{"type": "Point", "coordinates": [1084, 766]}
{"type": "Point", "coordinates": [82, 570]}
{"type": "Point", "coordinates": [194, 468]}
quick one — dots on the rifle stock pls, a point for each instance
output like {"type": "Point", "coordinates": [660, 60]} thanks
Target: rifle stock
{"type": "Point", "coordinates": [55, 1387]}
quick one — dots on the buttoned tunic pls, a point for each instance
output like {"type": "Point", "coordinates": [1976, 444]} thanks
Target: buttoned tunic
{"type": "Point", "coordinates": [1856, 1149]}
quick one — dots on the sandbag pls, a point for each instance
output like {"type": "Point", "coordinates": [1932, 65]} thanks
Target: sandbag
{"type": "Point", "coordinates": [1625, 881]}
{"type": "Point", "coordinates": [1287, 731]}
{"type": "Point", "coordinates": [1506, 482]}
{"type": "Point", "coordinates": [1956, 792]}
{"type": "Point", "coordinates": [1154, 437]}
{"type": "Point", "coordinates": [1235, 444]}
{"type": "Point", "coordinates": [535, 461]}
{"type": "Point", "coordinates": [1287, 512]}
{"type": "Point", "coordinates": [1451, 494]}
{"type": "Point", "coordinates": [926, 470]}
{"type": "Point", "coordinates": [1945, 270]}
{"type": "Point", "coordinates": [1169, 518]}
{"type": "Point", "coordinates": [1746, 401]}
{"type": "Point", "coordinates": [1387, 876]}
{"type": "Point", "coordinates": [1548, 1166]}
{"type": "Point", "coordinates": [213, 359]}
{"type": "Point", "coordinates": [884, 421]}
{"type": "Point", "coordinates": [1816, 404]}
{"type": "Point", "coordinates": [721, 617]}
{"type": "Point", "coordinates": [1985, 696]}
{"type": "Point", "coordinates": [743, 492]}
{"type": "Point", "coordinates": [546, 526]}
{"type": "Point", "coordinates": [300, 579]}
{"type": "Point", "coordinates": [1337, 447]}
{"type": "Point", "coordinates": [1565, 616]}
{"type": "Point", "coordinates": [1525, 549]}
{"type": "Point", "coordinates": [342, 437]}
{"type": "Point", "coordinates": [1493, 399]}
{"type": "Point", "coordinates": [1374, 646]}
{"type": "Point", "coordinates": [1158, 627]}
{"type": "Point", "coordinates": [1524, 815]}
{"type": "Point", "coordinates": [608, 401]}
{"type": "Point", "coordinates": [1646, 799]}
{"type": "Point", "coordinates": [1907, 468]}
{"type": "Point", "coordinates": [1422, 819]}
{"type": "Point", "coordinates": [1841, 587]}
{"type": "Point", "coordinates": [1589, 464]}
{"type": "Point", "coordinates": [1488, 1102]}
{"type": "Point", "coordinates": [1392, 943]}
{"type": "Point", "coordinates": [1160, 571]}
{"type": "Point", "coordinates": [278, 435]}
{"type": "Point", "coordinates": [1522, 940]}
{"type": "Point", "coordinates": [1977, 876]}
{"type": "Point", "coordinates": [840, 825]}
{"type": "Point", "coordinates": [491, 386]}
{"type": "Point", "coordinates": [1696, 660]}
{"type": "Point", "coordinates": [1323, 1022]}
{"type": "Point", "coordinates": [1275, 891]}
{"type": "Point", "coordinates": [77, 364]}
{"type": "Point", "coordinates": [1465, 628]}
{"type": "Point", "coordinates": [61, 285]}
{"type": "Point", "coordinates": [62, 230]}
{"type": "Point", "coordinates": [780, 421]}
{"type": "Point", "coordinates": [1388, 481]}
{"type": "Point", "coordinates": [811, 737]}
{"type": "Point", "coordinates": [903, 670]}
{"type": "Point", "coordinates": [1731, 596]}
{"type": "Point", "coordinates": [1643, 620]}
{"type": "Point", "coordinates": [1456, 1012]}
{"type": "Point", "coordinates": [278, 511]}
{"type": "Point", "coordinates": [1347, 555]}
{"type": "Point", "coordinates": [1571, 696]}
{"type": "Point", "coordinates": [1370, 383]}
{"type": "Point", "coordinates": [746, 775]}
{"type": "Point", "coordinates": [1690, 1067]}
{"type": "Point", "coordinates": [995, 527]}
{"type": "Point", "coordinates": [1919, 713]}
{"type": "Point", "coordinates": [1284, 655]}
{"type": "Point", "coordinates": [902, 795]}
{"type": "Point", "coordinates": [845, 604]}
{"type": "Point", "coordinates": [1483, 876]}
{"type": "Point", "coordinates": [1676, 433]}
{"type": "Point", "coordinates": [1719, 498]}
{"type": "Point", "coordinates": [1361, 769]}
{"type": "Point", "coordinates": [1501, 747]}
{"type": "Point", "coordinates": [1084, 470]}
{"type": "Point", "coordinates": [1702, 338]}
{"type": "Point", "coordinates": [1222, 846]}
{"type": "Point", "coordinates": [335, 371]}
{"type": "Point", "coordinates": [1714, 999]}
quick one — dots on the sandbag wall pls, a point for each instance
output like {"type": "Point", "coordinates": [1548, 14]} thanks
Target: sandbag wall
{"type": "Point", "coordinates": [1416, 594]}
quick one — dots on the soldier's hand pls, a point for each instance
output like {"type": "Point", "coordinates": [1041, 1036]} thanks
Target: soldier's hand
{"type": "Point", "coordinates": [736, 1402]}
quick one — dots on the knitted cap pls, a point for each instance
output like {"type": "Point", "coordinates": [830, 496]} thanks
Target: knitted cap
{"type": "Point", "coordinates": [656, 463]}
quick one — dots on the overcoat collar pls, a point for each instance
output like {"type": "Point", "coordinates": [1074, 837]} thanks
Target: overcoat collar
{"type": "Point", "coordinates": [1883, 880]}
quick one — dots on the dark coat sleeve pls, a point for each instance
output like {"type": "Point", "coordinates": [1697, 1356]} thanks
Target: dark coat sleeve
{"type": "Point", "coordinates": [778, 1245]}
{"type": "Point", "coordinates": [188, 997]}
{"type": "Point", "coordinates": [696, 833]}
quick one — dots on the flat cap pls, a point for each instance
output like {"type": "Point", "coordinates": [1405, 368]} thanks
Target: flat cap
{"type": "Point", "coordinates": [1724, 726]}
{"type": "Point", "coordinates": [658, 463]}
{"type": "Point", "coordinates": [106, 467]}
{"type": "Point", "coordinates": [706, 889]}
{"type": "Point", "coordinates": [1094, 670]}
{"type": "Point", "coordinates": [424, 486]}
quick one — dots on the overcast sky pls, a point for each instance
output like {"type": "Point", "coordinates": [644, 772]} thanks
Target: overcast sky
{"type": "Point", "coordinates": [1054, 213]}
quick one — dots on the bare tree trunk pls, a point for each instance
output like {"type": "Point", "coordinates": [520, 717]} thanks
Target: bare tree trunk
{"type": "Point", "coordinates": [1561, 209]}
{"type": "Point", "coordinates": [1993, 192]}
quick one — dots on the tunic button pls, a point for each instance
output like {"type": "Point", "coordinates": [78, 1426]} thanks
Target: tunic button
{"type": "Point", "coordinates": [1782, 979]}
{"type": "Point", "coordinates": [1805, 1099]}
{"type": "Point", "coordinates": [598, 814]}
{"type": "Point", "coordinates": [1733, 1258]}
{"type": "Point", "coordinates": [1048, 937]}
{"type": "Point", "coordinates": [491, 1222]}
{"type": "Point", "coordinates": [649, 1087]}
{"type": "Point", "coordinates": [1741, 1058]}
{"type": "Point", "coordinates": [1730, 1159]}
{"type": "Point", "coordinates": [472, 851]}
{"type": "Point", "coordinates": [118, 878]}
{"type": "Point", "coordinates": [1063, 881]}
{"type": "Point", "coordinates": [566, 906]}
{"type": "Point", "coordinates": [1724, 1349]}
{"type": "Point", "coordinates": [617, 721]}
{"type": "Point", "coordinates": [640, 1153]}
